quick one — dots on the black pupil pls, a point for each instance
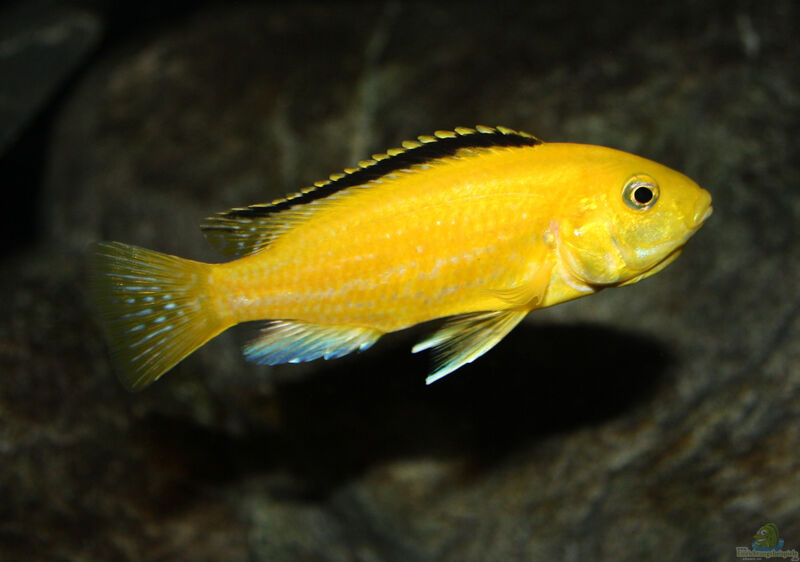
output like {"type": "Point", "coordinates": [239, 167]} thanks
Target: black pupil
{"type": "Point", "coordinates": [643, 195]}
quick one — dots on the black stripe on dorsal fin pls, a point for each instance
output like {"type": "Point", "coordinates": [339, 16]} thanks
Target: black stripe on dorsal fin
{"type": "Point", "coordinates": [245, 230]}
{"type": "Point", "coordinates": [426, 148]}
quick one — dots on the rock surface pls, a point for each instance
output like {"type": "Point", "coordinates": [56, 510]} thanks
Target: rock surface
{"type": "Point", "coordinates": [40, 44]}
{"type": "Point", "coordinates": [655, 422]}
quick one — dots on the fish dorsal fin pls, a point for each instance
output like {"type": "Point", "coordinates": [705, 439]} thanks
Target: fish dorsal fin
{"type": "Point", "coordinates": [286, 341]}
{"type": "Point", "coordinates": [246, 230]}
{"type": "Point", "coordinates": [465, 338]}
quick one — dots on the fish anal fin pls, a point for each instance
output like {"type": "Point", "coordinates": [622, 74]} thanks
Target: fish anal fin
{"type": "Point", "coordinates": [286, 341]}
{"type": "Point", "coordinates": [465, 338]}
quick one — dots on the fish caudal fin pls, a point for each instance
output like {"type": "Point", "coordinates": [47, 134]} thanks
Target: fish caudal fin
{"type": "Point", "coordinates": [153, 308]}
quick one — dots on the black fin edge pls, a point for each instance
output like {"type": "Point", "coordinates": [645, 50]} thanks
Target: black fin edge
{"type": "Point", "coordinates": [425, 149]}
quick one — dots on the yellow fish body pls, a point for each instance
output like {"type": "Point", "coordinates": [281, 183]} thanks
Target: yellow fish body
{"type": "Point", "coordinates": [481, 225]}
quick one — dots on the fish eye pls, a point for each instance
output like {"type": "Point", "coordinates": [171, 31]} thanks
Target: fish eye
{"type": "Point", "coordinates": [640, 192]}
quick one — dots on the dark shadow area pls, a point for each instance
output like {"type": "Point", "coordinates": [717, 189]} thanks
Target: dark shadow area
{"type": "Point", "coordinates": [540, 381]}
{"type": "Point", "coordinates": [22, 170]}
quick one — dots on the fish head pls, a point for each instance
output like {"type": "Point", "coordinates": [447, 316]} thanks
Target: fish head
{"type": "Point", "coordinates": [766, 536]}
{"type": "Point", "coordinates": [631, 221]}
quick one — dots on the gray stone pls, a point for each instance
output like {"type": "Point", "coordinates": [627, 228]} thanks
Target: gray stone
{"type": "Point", "coordinates": [40, 45]}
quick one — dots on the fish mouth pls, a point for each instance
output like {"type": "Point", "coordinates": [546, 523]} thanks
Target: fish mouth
{"type": "Point", "coordinates": [704, 217]}
{"type": "Point", "coordinates": [702, 210]}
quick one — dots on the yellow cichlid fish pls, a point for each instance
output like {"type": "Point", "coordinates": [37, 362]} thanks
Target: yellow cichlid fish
{"type": "Point", "coordinates": [480, 225]}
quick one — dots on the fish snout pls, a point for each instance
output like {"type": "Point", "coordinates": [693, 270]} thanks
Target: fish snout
{"type": "Point", "coordinates": [702, 210]}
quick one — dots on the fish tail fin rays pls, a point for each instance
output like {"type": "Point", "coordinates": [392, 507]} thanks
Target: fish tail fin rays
{"type": "Point", "coordinates": [465, 338]}
{"type": "Point", "coordinates": [283, 341]}
{"type": "Point", "coordinates": [153, 308]}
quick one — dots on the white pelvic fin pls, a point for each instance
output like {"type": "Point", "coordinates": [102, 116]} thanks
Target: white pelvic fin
{"type": "Point", "coordinates": [285, 341]}
{"type": "Point", "coordinates": [465, 338]}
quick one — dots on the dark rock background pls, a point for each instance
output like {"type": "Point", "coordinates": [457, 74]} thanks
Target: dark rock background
{"type": "Point", "coordinates": [655, 422]}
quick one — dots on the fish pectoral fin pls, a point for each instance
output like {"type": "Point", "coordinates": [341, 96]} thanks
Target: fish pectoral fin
{"type": "Point", "coordinates": [287, 341]}
{"type": "Point", "coordinates": [528, 295]}
{"type": "Point", "coordinates": [465, 338]}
